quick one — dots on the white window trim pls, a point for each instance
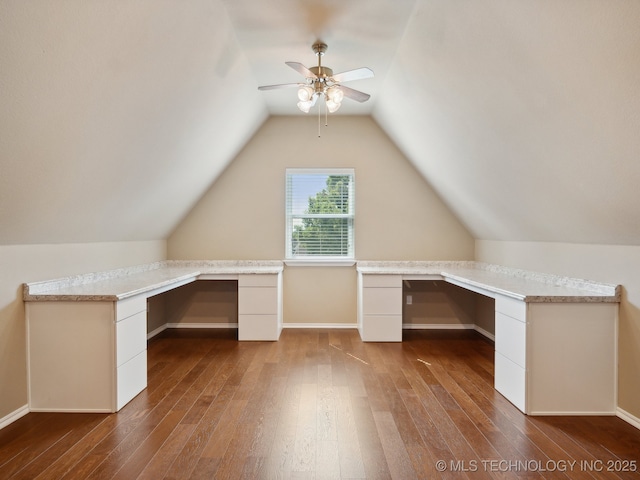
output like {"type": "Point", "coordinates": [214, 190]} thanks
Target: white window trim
{"type": "Point", "coordinates": [328, 261]}
{"type": "Point", "coordinates": [320, 262]}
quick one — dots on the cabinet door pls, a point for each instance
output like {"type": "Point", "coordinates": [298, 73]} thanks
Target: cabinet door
{"type": "Point", "coordinates": [511, 307]}
{"type": "Point", "coordinates": [382, 328]}
{"type": "Point", "coordinates": [131, 337]}
{"type": "Point", "coordinates": [258, 328]}
{"type": "Point", "coordinates": [382, 301]}
{"type": "Point", "coordinates": [130, 306]}
{"type": "Point", "coordinates": [132, 379]}
{"type": "Point", "coordinates": [511, 338]}
{"type": "Point", "coordinates": [510, 380]}
{"type": "Point", "coordinates": [257, 300]}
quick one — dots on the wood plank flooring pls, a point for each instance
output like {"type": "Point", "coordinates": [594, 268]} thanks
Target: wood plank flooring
{"type": "Point", "coordinates": [318, 404]}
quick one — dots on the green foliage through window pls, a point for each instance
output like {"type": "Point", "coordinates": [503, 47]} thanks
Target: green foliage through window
{"type": "Point", "coordinates": [320, 214]}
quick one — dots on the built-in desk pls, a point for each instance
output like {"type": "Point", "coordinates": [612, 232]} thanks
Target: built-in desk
{"type": "Point", "coordinates": [555, 337]}
{"type": "Point", "coordinates": [87, 335]}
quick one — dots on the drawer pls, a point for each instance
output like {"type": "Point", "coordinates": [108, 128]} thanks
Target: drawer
{"type": "Point", "coordinates": [381, 328]}
{"type": "Point", "coordinates": [510, 380]}
{"type": "Point", "coordinates": [375, 281]}
{"type": "Point", "coordinates": [131, 337]}
{"type": "Point", "coordinates": [264, 280]}
{"type": "Point", "coordinates": [257, 300]}
{"type": "Point", "coordinates": [382, 301]}
{"type": "Point", "coordinates": [258, 327]}
{"type": "Point", "coordinates": [511, 338]}
{"type": "Point", "coordinates": [130, 306]}
{"type": "Point", "coordinates": [510, 306]}
{"type": "Point", "coordinates": [132, 379]}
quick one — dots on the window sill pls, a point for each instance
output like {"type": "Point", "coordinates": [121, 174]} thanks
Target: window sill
{"type": "Point", "coordinates": [320, 262]}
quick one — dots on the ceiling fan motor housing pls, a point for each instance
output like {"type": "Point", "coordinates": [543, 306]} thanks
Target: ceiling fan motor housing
{"type": "Point", "coordinates": [319, 48]}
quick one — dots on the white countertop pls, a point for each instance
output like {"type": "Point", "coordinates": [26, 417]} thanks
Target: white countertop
{"type": "Point", "coordinates": [519, 284]}
{"type": "Point", "coordinates": [118, 284]}
{"type": "Point", "coordinates": [523, 285]}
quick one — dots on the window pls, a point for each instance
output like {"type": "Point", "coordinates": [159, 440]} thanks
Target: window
{"type": "Point", "coordinates": [320, 214]}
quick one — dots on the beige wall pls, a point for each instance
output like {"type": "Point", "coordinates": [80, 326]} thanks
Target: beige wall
{"type": "Point", "coordinates": [398, 216]}
{"type": "Point", "coordinates": [437, 302]}
{"type": "Point", "coordinates": [201, 302]}
{"type": "Point", "coordinates": [32, 263]}
{"type": "Point", "coordinates": [441, 303]}
{"type": "Point", "coordinates": [606, 263]}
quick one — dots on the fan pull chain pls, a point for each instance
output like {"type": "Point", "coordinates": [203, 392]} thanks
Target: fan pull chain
{"type": "Point", "coordinates": [326, 113]}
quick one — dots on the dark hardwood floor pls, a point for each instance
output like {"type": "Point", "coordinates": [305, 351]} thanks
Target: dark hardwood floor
{"type": "Point", "coordinates": [318, 404]}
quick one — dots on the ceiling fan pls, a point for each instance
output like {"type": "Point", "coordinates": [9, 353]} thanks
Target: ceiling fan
{"type": "Point", "coordinates": [320, 81]}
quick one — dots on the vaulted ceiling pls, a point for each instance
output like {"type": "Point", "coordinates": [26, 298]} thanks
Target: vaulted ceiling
{"type": "Point", "coordinates": [117, 116]}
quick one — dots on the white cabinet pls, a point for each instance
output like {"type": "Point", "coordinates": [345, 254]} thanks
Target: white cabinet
{"type": "Point", "coordinates": [131, 349]}
{"type": "Point", "coordinates": [510, 380]}
{"type": "Point", "coordinates": [86, 356]}
{"type": "Point", "coordinates": [511, 350]}
{"type": "Point", "coordinates": [551, 357]}
{"type": "Point", "coordinates": [380, 308]}
{"type": "Point", "coordinates": [556, 358]}
{"type": "Point", "coordinates": [259, 307]}
{"type": "Point", "coordinates": [88, 353]}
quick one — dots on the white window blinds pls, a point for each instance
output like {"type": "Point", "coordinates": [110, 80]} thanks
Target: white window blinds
{"type": "Point", "coordinates": [320, 213]}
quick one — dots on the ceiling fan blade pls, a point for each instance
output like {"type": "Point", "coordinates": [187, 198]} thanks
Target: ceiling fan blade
{"type": "Point", "coordinates": [357, 74]}
{"type": "Point", "coordinates": [280, 85]}
{"type": "Point", "coordinates": [356, 95]}
{"type": "Point", "coordinates": [301, 69]}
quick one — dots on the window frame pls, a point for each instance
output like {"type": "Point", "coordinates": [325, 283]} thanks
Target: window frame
{"type": "Point", "coordinates": [321, 260]}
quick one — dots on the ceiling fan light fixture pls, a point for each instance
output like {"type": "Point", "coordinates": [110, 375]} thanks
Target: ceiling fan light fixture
{"type": "Point", "coordinates": [305, 93]}
{"type": "Point", "coordinates": [332, 106]}
{"type": "Point", "coordinates": [335, 95]}
{"type": "Point", "coordinates": [305, 106]}
{"type": "Point", "coordinates": [321, 82]}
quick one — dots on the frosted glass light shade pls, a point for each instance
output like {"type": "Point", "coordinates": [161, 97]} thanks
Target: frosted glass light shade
{"type": "Point", "coordinates": [305, 106]}
{"type": "Point", "coordinates": [305, 94]}
{"type": "Point", "coordinates": [335, 94]}
{"type": "Point", "coordinates": [332, 106]}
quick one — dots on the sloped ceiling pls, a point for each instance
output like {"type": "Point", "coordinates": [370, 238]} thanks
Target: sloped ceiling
{"type": "Point", "coordinates": [117, 116]}
{"type": "Point", "coordinates": [525, 116]}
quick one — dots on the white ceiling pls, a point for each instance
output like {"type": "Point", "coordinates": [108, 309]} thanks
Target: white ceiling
{"type": "Point", "coordinates": [524, 116]}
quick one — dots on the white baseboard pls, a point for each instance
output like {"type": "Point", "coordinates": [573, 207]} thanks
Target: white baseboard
{"type": "Point", "coordinates": [448, 326]}
{"type": "Point", "coordinates": [13, 416]}
{"type": "Point", "coordinates": [162, 328]}
{"type": "Point", "coordinates": [438, 326]}
{"type": "Point", "coordinates": [484, 333]}
{"type": "Point", "coordinates": [405, 326]}
{"type": "Point", "coordinates": [201, 325]}
{"type": "Point", "coordinates": [320, 325]}
{"type": "Point", "coordinates": [157, 331]}
{"type": "Point", "coordinates": [627, 417]}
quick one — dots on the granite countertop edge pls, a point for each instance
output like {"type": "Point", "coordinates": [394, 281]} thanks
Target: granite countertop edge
{"type": "Point", "coordinates": [118, 284]}
{"type": "Point", "coordinates": [527, 283]}
{"type": "Point", "coordinates": [524, 285]}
